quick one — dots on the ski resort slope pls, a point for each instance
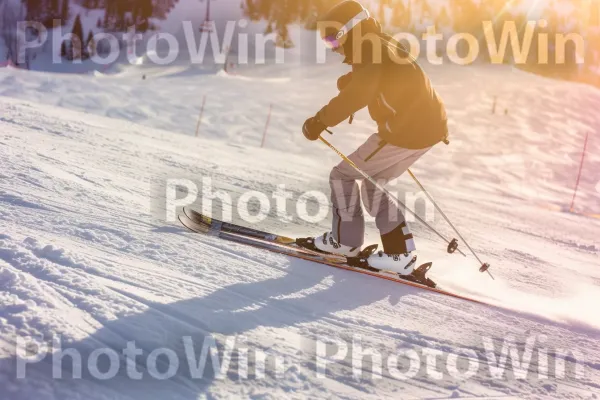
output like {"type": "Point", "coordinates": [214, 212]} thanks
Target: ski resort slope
{"type": "Point", "coordinates": [86, 251]}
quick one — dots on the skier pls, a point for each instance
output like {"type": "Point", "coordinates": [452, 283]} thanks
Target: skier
{"type": "Point", "coordinates": [410, 117]}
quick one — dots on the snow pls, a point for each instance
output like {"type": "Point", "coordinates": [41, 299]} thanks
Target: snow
{"type": "Point", "coordinates": [86, 252]}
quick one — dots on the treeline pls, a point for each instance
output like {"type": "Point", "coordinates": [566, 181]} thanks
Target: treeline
{"type": "Point", "coordinates": [456, 16]}
{"type": "Point", "coordinates": [407, 15]}
{"type": "Point", "coordinates": [118, 14]}
{"type": "Point", "coordinates": [45, 11]}
{"type": "Point", "coordinates": [281, 13]}
{"type": "Point", "coordinates": [122, 14]}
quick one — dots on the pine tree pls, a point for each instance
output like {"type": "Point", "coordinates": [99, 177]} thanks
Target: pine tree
{"type": "Point", "coordinates": [107, 22]}
{"type": "Point", "coordinates": [466, 16]}
{"type": "Point", "coordinates": [283, 36]}
{"type": "Point", "coordinates": [310, 15]}
{"type": "Point", "coordinates": [64, 11]}
{"type": "Point", "coordinates": [382, 6]}
{"type": "Point", "coordinates": [121, 10]}
{"type": "Point", "coordinates": [54, 11]}
{"type": "Point", "coordinates": [426, 13]}
{"type": "Point", "coordinates": [443, 19]}
{"type": "Point", "coordinates": [63, 49]}
{"type": "Point", "coordinates": [251, 10]}
{"type": "Point", "coordinates": [401, 16]}
{"type": "Point", "coordinates": [91, 44]}
{"type": "Point", "coordinates": [266, 8]}
{"type": "Point", "coordinates": [34, 9]}
{"type": "Point", "coordinates": [409, 19]}
{"type": "Point", "coordinates": [282, 14]}
{"type": "Point", "coordinates": [100, 47]}
{"type": "Point", "coordinates": [305, 11]}
{"type": "Point", "coordinates": [142, 12]}
{"type": "Point", "coordinates": [76, 39]}
{"type": "Point", "coordinates": [269, 28]}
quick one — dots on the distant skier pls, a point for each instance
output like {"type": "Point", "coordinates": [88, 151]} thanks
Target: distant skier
{"type": "Point", "coordinates": [411, 119]}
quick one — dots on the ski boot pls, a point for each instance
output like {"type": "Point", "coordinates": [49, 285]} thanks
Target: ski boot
{"type": "Point", "coordinates": [328, 245]}
{"type": "Point", "coordinates": [401, 265]}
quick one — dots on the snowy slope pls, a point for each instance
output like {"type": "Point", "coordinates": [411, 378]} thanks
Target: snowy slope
{"type": "Point", "coordinates": [85, 251]}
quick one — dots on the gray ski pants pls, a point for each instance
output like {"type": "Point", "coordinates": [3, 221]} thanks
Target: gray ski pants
{"type": "Point", "coordinates": [383, 164]}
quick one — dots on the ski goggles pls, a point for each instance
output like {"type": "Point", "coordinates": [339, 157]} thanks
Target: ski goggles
{"type": "Point", "coordinates": [331, 42]}
{"type": "Point", "coordinates": [335, 41]}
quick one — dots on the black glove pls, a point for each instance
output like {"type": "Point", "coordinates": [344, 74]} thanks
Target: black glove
{"type": "Point", "coordinates": [343, 81]}
{"type": "Point", "coordinates": [313, 128]}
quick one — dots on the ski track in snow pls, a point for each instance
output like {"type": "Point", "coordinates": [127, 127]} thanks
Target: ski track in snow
{"type": "Point", "coordinates": [85, 250]}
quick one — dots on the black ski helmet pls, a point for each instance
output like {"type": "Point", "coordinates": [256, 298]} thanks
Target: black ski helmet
{"type": "Point", "coordinates": [336, 25]}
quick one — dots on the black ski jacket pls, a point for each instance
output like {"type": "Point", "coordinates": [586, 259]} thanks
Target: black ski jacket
{"type": "Point", "coordinates": [408, 111]}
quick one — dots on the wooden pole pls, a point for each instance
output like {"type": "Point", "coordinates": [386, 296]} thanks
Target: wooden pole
{"type": "Point", "coordinates": [200, 116]}
{"type": "Point", "coordinates": [580, 170]}
{"type": "Point", "coordinates": [267, 126]}
{"type": "Point", "coordinates": [228, 50]}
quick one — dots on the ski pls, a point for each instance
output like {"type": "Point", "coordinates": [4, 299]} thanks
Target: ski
{"type": "Point", "coordinates": [214, 226]}
{"type": "Point", "coordinates": [199, 223]}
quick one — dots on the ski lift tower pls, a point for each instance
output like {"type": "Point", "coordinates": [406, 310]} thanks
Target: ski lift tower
{"type": "Point", "coordinates": [208, 25]}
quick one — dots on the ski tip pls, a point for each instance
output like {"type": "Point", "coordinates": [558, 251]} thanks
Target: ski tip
{"type": "Point", "coordinates": [196, 216]}
{"type": "Point", "coordinates": [192, 225]}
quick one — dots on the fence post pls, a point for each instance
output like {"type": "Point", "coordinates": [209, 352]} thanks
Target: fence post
{"type": "Point", "coordinates": [200, 116]}
{"type": "Point", "coordinates": [227, 51]}
{"type": "Point", "coordinates": [264, 138]}
{"type": "Point", "coordinates": [580, 170]}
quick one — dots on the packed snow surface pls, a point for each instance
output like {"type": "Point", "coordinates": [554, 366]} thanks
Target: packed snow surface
{"type": "Point", "coordinates": [87, 254]}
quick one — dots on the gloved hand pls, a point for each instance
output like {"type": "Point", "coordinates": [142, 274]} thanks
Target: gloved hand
{"type": "Point", "coordinates": [343, 81]}
{"type": "Point", "coordinates": [313, 128]}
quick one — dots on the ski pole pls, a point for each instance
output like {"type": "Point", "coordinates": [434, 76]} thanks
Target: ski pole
{"type": "Point", "coordinates": [484, 266]}
{"type": "Point", "coordinates": [384, 190]}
